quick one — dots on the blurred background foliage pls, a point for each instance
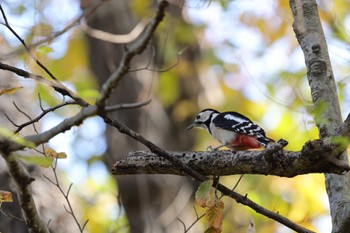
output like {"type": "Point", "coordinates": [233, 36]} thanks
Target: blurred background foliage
{"type": "Point", "coordinates": [249, 62]}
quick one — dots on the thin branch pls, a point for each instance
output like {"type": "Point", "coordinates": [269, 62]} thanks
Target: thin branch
{"type": "Point", "coordinates": [20, 110]}
{"type": "Point", "coordinates": [178, 58]}
{"type": "Point", "coordinates": [8, 26]}
{"type": "Point", "coordinates": [127, 106]}
{"type": "Point", "coordinates": [200, 217]}
{"type": "Point", "coordinates": [113, 38]}
{"type": "Point", "coordinates": [10, 120]}
{"type": "Point", "coordinates": [44, 137]}
{"type": "Point", "coordinates": [57, 86]}
{"type": "Point", "coordinates": [197, 219]}
{"type": "Point", "coordinates": [44, 112]}
{"type": "Point", "coordinates": [70, 209]}
{"type": "Point", "coordinates": [130, 53]}
{"type": "Point", "coordinates": [237, 183]}
{"type": "Point", "coordinates": [4, 212]}
{"type": "Point", "coordinates": [194, 222]}
{"type": "Point", "coordinates": [86, 12]}
{"type": "Point", "coordinates": [183, 224]}
{"type": "Point", "coordinates": [25, 114]}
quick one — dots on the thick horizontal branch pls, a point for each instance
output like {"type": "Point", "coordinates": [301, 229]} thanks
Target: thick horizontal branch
{"type": "Point", "coordinates": [311, 159]}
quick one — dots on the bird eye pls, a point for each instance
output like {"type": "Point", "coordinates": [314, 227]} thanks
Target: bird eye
{"type": "Point", "coordinates": [197, 117]}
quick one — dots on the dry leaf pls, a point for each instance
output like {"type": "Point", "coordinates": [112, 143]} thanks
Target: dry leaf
{"type": "Point", "coordinates": [51, 153]}
{"type": "Point", "coordinates": [215, 215]}
{"type": "Point", "coordinates": [5, 196]}
{"type": "Point", "coordinates": [251, 227]}
{"type": "Point", "coordinates": [9, 91]}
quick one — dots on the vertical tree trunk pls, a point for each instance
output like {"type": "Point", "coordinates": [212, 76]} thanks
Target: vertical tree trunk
{"type": "Point", "coordinates": [308, 30]}
{"type": "Point", "coordinates": [144, 197]}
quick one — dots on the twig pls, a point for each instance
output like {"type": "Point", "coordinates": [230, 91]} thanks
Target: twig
{"type": "Point", "coordinates": [10, 120]}
{"type": "Point", "coordinates": [183, 224]}
{"type": "Point", "coordinates": [70, 209]}
{"type": "Point", "coordinates": [113, 38]}
{"type": "Point", "coordinates": [86, 12]}
{"type": "Point", "coordinates": [200, 217]}
{"type": "Point", "coordinates": [238, 181]}
{"type": "Point", "coordinates": [57, 86]}
{"type": "Point", "coordinates": [25, 45]}
{"type": "Point", "coordinates": [44, 112]}
{"type": "Point", "coordinates": [126, 106]}
{"type": "Point", "coordinates": [178, 58]}
{"type": "Point", "coordinates": [129, 54]}
{"type": "Point", "coordinates": [4, 212]}
{"type": "Point", "coordinates": [25, 114]}
{"type": "Point", "coordinates": [197, 219]}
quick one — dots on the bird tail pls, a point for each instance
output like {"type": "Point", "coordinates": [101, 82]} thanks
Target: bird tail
{"type": "Point", "coordinates": [265, 140]}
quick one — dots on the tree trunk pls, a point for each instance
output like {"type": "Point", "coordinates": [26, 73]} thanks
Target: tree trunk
{"type": "Point", "coordinates": [308, 30]}
{"type": "Point", "coordinates": [144, 198]}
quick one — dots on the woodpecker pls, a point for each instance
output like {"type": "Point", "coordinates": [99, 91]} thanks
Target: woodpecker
{"type": "Point", "coordinates": [232, 129]}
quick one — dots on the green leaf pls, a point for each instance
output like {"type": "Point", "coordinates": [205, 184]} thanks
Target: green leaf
{"type": "Point", "coordinates": [342, 141]}
{"type": "Point", "coordinates": [38, 160]}
{"type": "Point", "coordinates": [204, 192]}
{"type": "Point", "coordinates": [15, 138]}
{"type": "Point", "coordinates": [44, 49]}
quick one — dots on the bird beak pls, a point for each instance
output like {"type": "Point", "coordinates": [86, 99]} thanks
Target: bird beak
{"type": "Point", "coordinates": [194, 124]}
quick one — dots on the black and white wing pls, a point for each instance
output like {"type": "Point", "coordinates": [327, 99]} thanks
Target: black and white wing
{"type": "Point", "coordinates": [236, 122]}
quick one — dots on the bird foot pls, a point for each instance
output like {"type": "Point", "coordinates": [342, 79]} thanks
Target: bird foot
{"type": "Point", "coordinates": [210, 148]}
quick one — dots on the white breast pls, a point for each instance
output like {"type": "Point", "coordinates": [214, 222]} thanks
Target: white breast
{"type": "Point", "coordinates": [225, 137]}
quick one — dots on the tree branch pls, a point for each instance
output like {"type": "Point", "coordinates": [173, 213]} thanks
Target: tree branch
{"type": "Point", "coordinates": [311, 159]}
{"type": "Point", "coordinates": [130, 53]}
{"type": "Point", "coordinates": [7, 24]}
{"type": "Point", "coordinates": [23, 181]}
{"type": "Point", "coordinates": [85, 14]}
{"type": "Point", "coordinates": [56, 85]}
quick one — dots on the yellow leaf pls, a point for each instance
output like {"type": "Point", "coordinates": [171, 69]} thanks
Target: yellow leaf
{"type": "Point", "coordinates": [51, 153]}
{"type": "Point", "coordinates": [9, 91]}
{"type": "Point", "coordinates": [5, 196]}
{"type": "Point", "coordinates": [44, 49]}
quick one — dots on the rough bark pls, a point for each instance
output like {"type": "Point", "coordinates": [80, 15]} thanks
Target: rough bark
{"type": "Point", "coordinates": [309, 32]}
{"type": "Point", "coordinates": [312, 159]}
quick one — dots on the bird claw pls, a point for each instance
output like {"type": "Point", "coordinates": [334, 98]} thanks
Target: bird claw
{"type": "Point", "coordinates": [210, 148]}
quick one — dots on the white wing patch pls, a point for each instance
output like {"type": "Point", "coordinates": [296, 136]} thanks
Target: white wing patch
{"type": "Point", "coordinates": [232, 117]}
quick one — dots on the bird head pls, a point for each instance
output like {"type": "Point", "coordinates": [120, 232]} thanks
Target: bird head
{"type": "Point", "coordinates": [202, 119]}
